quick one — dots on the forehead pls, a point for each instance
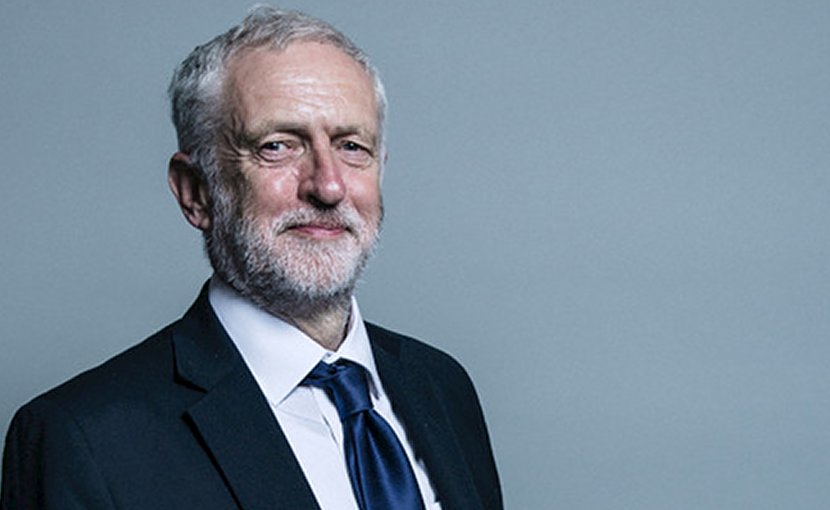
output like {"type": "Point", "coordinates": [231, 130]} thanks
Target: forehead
{"type": "Point", "coordinates": [306, 79]}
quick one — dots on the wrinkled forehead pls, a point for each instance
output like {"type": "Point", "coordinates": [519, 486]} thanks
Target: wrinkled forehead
{"type": "Point", "coordinates": [301, 68]}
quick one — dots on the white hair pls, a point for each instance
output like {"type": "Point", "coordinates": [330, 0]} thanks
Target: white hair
{"type": "Point", "coordinates": [196, 88]}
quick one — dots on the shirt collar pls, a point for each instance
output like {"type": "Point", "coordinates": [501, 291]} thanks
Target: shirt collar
{"type": "Point", "coordinates": [278, 354]}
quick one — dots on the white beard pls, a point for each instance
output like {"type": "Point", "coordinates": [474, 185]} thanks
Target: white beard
{"type": "Point", "coordinates": [285, 272]}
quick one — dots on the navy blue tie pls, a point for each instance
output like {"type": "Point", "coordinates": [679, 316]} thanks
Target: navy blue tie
{"type": "Point", "coordinates": [378, 468]}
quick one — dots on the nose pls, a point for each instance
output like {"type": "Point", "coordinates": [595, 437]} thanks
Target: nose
{"type": "Point", "coordinates": [322, 183]}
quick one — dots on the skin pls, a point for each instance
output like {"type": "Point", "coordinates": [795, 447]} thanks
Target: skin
{"type": "Point", "coordinates": [300, 133]}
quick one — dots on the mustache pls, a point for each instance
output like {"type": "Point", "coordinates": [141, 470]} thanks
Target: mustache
{"type": "Point", "coordinates": [345, 218]}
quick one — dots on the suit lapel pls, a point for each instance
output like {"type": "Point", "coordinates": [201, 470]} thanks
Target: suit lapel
{"type": "Point", "coordinates": [414, 400]}
{"type": "Point", "coordinates": [233, 420]}
{"type": "Point", "coordinates": [236, 426]}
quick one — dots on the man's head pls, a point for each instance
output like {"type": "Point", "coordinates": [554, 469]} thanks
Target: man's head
{"type": "Point", "coordinates": [279, 123]}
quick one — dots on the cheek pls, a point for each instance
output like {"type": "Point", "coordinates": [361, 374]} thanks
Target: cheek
{"type": "Point", "coordinates": [273, 193]}
{"type": "Point", "coordinates": [365, 194]}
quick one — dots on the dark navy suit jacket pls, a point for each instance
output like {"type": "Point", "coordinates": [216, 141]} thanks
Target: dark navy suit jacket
{"type": "Point", "coordinates": [178, 422]}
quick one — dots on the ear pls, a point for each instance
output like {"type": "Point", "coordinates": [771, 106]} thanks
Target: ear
{"type": "Point", "coordinates": [385, 160]}
{"type": "Point", "coordinates": [190, 190]}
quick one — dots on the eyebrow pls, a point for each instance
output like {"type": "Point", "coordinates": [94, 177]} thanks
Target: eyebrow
{"type": "Point", "coordinates": [342, 131]}
{"type": "Point", "coordinates": [301, 129]}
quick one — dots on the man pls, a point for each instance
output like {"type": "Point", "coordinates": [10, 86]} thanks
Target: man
{"type": "Point", "coordinates": [280, 128]}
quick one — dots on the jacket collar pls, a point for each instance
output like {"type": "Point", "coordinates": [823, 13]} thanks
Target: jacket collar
{"type": "Point", "coordinates": [415, 400]}
{"type": "Point", "coordinates": [235, 423]}
{"type": "Point", "coordinates": [232, 419]}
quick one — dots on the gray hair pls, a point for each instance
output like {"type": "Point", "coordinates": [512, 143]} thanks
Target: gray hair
{"type": "Point", "coordinates": [196, 88]}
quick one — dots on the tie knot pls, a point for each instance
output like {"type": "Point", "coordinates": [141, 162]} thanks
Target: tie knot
{"type": "Point", "coordinates": [345, 383]}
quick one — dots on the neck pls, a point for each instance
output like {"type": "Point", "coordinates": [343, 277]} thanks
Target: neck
{"type": "Point", "coordinates": [324, 320]}
{"type": "Point", "coordinates": [326, 323]}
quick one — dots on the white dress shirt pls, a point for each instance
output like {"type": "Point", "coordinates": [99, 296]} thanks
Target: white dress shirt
{"type": "Point", "coordinates": [280, 356]}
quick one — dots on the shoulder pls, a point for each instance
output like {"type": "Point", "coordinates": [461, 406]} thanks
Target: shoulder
{"type": "Point", "coordinates": [404, 345]}
{"type": "Point", "coordinates": [122, 390]}
{"type": "Point", "coordinates": [142, 372]}
{"type": "Point", "coordinates": [447, 375]}
{"type": "Point", "coordinates": [412, 350]}
{"type": "Point", "coordinates": [137, 370]}
{"type": "Point", "coordinates": [57, 443]}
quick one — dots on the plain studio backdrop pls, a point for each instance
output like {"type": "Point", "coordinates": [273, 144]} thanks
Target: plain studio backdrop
{"type": "Point", "coordinates": [614, 213]}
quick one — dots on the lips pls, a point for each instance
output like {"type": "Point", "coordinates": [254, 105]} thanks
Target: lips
{"type": "Point", "coordinates": [319, 230]}
{"type": "Point", "coordinates": [318, 224]}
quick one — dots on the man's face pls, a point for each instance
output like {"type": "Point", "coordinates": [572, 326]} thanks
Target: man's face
{"type": "Point", "coordinates": [300, 165]}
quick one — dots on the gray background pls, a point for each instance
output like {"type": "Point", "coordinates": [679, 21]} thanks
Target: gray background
{"type": "Point", "coordinates": [615, 213]}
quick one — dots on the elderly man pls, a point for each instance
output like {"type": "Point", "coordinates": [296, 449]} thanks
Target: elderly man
{"type": "Point", "coordinates": [271, 392]}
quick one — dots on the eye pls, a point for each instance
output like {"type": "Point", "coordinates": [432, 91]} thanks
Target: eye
{"type": "Point", "coordinates": [354, 153]}
{"type": "Point", "coordinates": [276, 151]}
{"type": "Point", "coordinates": [351, 146]}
